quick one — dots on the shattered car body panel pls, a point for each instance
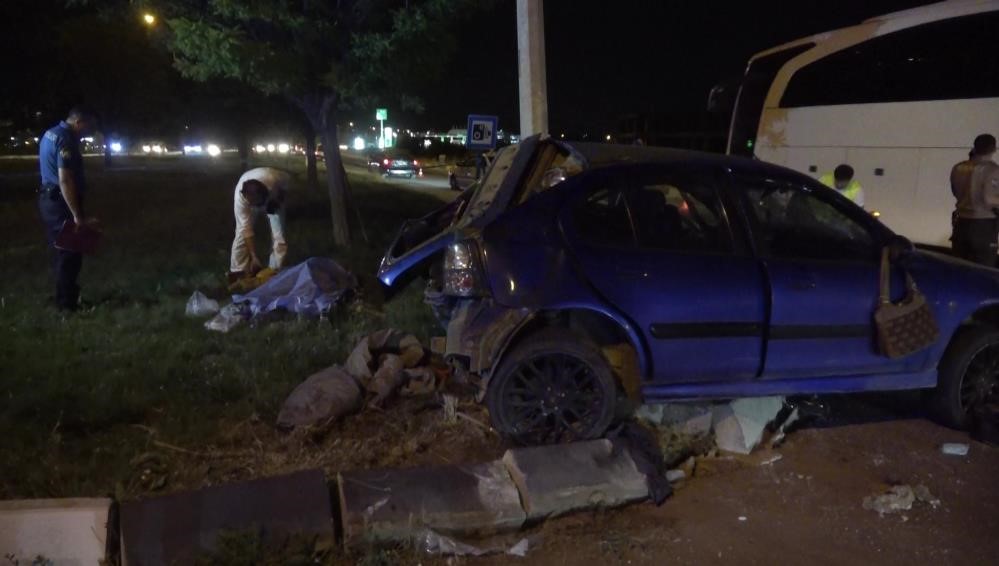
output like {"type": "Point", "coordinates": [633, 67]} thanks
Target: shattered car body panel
{"type": "Point", "coordinates": [700, 324]}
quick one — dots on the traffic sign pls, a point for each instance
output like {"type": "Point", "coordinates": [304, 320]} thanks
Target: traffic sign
{"type": "Point", "coordinates": [381, 114]}
{"type": "Point", "coordinates": [481, 132]}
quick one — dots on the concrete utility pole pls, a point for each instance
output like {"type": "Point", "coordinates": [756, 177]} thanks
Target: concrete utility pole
{"type": "Point", "coordinates": [531, 63]}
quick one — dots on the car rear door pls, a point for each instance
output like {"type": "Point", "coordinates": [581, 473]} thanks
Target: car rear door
{"type": "Point", "coordinates": [656, 243]}
{"type": "Point", "coordinates": [821, 255]}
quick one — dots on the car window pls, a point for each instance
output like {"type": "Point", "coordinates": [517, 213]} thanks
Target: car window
{"type": "Point", "coordinates": [678, 215]}
{"type": "Point", "coordinates": [797, 221]}
{"type": "Point", "coordinates": [603, 218]}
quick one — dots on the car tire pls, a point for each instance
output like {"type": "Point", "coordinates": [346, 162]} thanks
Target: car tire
{"type": "Point", "coordinates": [552, 387]}
{"type": "Point", "coordinates": [968, 373]}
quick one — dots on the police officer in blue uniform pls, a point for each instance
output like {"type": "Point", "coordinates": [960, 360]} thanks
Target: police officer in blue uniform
{"type": "Point", "coordinates": [61, 197]}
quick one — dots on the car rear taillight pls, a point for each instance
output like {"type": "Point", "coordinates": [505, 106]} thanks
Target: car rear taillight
{"type": "Point", "coordinates": [462, 276]}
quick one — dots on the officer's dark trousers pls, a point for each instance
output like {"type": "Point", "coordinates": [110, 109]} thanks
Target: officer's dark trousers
{"type": "Point", "coordinates": [975, 240]}
{"type": "Point", "coordinates": [65, 265]}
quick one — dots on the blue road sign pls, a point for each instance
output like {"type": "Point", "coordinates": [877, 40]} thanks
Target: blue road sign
{"type": "Point", "coordinates": [481, 132]}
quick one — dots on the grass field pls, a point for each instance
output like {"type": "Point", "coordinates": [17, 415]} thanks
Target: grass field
{"type": "Point", "coordinates": [80, 396]}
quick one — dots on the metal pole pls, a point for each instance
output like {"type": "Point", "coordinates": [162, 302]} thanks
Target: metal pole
{"type": "Point", "coordinates": [531, 64]}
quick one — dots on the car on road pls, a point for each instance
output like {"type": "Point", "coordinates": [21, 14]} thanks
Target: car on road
{"type": "Point", "coordinates": [395, 163]}
{"type": "Point", "coordinates": [578, 276]}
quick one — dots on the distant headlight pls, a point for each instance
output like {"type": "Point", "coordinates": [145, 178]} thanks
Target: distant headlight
{"type": "Point", "coordinates": [260, 149]}
{"type": "Point", "coordinates": [284, 148]}
{"type": "Point", "coordinates": [270, 148]}
{"type": "Point", "coordinates": [214, 150]}
{"type": "Point", "coordinates": [192, 149]}
{"type": "Point", "coordinates": [115, 147]}
{"type": "Point", "coordinates": [146, 149]}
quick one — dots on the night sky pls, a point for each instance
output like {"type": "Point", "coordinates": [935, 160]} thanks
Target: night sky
{"type": "Point", "coordinates": [609, 58]}
{"type": "Point", "coordinates": [605, 59]}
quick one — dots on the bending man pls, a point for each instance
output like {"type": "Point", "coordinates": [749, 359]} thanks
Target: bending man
{"type": "Point", "coordinates": [259, 191]}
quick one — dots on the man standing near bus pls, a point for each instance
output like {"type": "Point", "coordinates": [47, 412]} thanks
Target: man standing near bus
{"type": "Point", "coordinates": [975, 184]}
{"type": "Point", "coordinates": [842, 180]}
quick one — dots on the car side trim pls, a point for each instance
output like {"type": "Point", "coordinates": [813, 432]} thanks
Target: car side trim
{"type": "Point", "coordinates": [813, 331]}
{"type": "Point", "coordinates": [664, 331]}
{"type": "Point", "coordinates": [689, 330]}
{"type": "Point", "coordinates": [817, 386]}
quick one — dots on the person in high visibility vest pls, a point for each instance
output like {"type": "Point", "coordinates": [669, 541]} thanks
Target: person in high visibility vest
{"type": "Point", "coordinates": [842, 180]}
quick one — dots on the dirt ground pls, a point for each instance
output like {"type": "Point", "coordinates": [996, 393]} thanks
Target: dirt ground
{"type": "Point", "coordinates": [805, 508]}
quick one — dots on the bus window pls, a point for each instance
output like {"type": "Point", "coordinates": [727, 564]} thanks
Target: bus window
{"type": "Point", "coordinates": [753, 94]}
{"type": "Point", "coordinates": [944, 60]}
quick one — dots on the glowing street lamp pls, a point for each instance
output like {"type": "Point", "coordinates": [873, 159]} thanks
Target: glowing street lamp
{"type": "Point", "coordinates": [149, 19]}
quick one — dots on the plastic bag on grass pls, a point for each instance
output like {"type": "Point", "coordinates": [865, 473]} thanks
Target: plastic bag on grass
{"type": "Point", "coordinates": [228, 318]}
{"type": "Point", "coordinates": [200, 305]}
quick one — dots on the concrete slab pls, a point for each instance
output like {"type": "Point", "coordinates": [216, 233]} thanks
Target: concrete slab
{"type": "Point", "coordinates": [558, 479]}
{"type": "Point", "coordinates": [394, 505]}
{"type": "Point", "coordinates": [739, 425]}
{"type": "Point", "coordinates": [175, 528]}
{"type": "Point", "coordinates": [693, 419]}
{"type": "Point", "coordinates": [71, 532]}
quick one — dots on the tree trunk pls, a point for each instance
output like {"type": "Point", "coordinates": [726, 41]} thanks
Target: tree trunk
{"type": "Point", "coordinates": [335, 180]}
{"type": "Point", "coordinates": [320, 109]}
{"type": "Point", "coordinates": [312, 173]}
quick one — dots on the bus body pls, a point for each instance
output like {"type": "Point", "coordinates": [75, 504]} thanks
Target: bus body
{"type": "Point", "coordinates": [899, 98]}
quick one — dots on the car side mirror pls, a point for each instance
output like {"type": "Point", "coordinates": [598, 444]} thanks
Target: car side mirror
{"type": "Point", "coordinates": [899, 246]}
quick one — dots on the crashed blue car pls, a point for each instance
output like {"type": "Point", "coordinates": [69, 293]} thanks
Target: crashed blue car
{"type": "Point", "coordinates": [574, 277]}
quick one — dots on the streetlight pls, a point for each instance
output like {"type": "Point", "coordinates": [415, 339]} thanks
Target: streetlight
{"type": "Point", "coordinates": [149, 19]}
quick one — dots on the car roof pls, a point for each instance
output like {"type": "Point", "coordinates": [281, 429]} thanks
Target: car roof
{"type": "Point", "coordinates": [600, 155]}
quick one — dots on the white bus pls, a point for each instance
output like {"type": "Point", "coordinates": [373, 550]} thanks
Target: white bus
{"type": "Point", "coordinates": [899, 98]}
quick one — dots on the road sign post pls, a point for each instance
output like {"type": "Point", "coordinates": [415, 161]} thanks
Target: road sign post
{"type": "Point", "coordinates": [481, 132]}
{"type": "Point", "coordinates": [381, 114]}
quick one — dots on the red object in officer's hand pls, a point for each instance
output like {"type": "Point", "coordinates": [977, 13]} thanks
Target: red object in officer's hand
{"type": "Point", "coordinates": [82, 239]}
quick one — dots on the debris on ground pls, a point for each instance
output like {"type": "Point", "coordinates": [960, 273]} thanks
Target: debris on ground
{"type": "Point", "coordinates": [954, 448]}
{"type": "Point", "coordinates": [325, 396]}
{"type": "Point", "coordinates": [383, 364]}
{"type": "Point", "coordinates": [434, 543]}
{"type": "Point", "coordinates": [900, 498]}
{"type": "Point", "coordinates": [201, 305]}
{"type": "Point", "coordinates": [739, 425]}
{"type": "Point", "coordinates": [643, 447]}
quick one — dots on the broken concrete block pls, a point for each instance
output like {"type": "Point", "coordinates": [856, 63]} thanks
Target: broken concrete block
{"type": "Point", "coordinates": [739, 425]}
{"type": "Point", "coordinates": [61, 531]}
{"type": "Point", "coordinates": [396, 505]}
{"type": "Point", "coordinates": [325, 396]}
{"type": "Point", "coordinates": [555, 480]}
{"type": "Point", "coordinates": [692, 419]}
{"type": "Point", "coordinates": [174, 529]}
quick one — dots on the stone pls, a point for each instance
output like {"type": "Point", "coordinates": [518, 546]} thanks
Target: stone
{"type": "Point", "coordinates": [739, 425]}
{"type": "Point", "coordinates": [62, 531]}
{"type": "Point", "coordinates": [558, 479]}
{"type": "Point", "coordinates": [954, 449]}
{"type": "Point", "coordinates": [397, 505]}
{"type": "Point", "coordinates": [673, 476]}
{"type": "Point", "coordinates": [174, 529]}
{"type": "Point", "coordinates": [692, 419]}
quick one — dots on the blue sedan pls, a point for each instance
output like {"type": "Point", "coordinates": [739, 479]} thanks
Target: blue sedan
{"type": "Point", "coordinates": [574, 276]}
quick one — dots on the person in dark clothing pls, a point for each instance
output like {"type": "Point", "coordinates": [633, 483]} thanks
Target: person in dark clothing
{"type": "Point", "coordinates": [975, 185]}
{"type": "Point", "coordinates": [61, 197]}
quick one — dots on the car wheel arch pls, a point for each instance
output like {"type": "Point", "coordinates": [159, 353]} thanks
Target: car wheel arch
{"type": "Point", "coordinates": [601, 328]}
